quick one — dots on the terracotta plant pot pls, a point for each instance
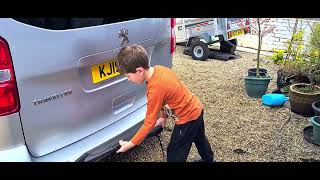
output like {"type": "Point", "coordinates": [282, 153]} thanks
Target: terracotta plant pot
{"type": "Point", "coordinates": [301, 103]}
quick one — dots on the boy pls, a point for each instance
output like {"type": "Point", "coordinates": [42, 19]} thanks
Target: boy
{"type": "Point", "coordinates": [166, 95]}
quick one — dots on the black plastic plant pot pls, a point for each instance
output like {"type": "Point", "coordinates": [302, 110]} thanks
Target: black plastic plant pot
{"type": "Point", "coordinates": [253, 72]}
{"type": "Point", "coordinates": [308, 134]}
{"type": "Point", "coordinates": [316, 107]}
{"type": "Point", "coordinates": [280, 80]}
{"type": "Point", "coordinates": [256, 87]}
{"type": "Point", "coordinates": [287, 80]}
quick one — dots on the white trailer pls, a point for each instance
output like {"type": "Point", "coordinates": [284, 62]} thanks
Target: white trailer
{"type": "Point", "coordinates": [198, 33]}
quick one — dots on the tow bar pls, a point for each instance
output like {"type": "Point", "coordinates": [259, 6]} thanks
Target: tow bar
{"type": "Point", "coordinates": [156, 131]}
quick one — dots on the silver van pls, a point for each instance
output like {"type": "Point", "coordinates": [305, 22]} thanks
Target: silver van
{"type": "Point", "coordinates": [61, 96]}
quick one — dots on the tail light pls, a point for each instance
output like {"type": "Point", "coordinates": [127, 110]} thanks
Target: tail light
{"type": "Point", "coordinates": [9, 98]}
{"type": "Point", "coordinates": [229, 35]}
{"type": "Point", "coordinates": [248, 30]}
{"type": "Point", "coordinates": [248, 25]}
{"type": "Point", "coordinates": [173, 36]}
{"type": "Point", "coordinates": [228, 25]}
{"type": "Point", "coordinates": [247, 22]}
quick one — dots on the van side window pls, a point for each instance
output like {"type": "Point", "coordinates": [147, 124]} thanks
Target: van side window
{"type": "Point", "coordinates": [69, 23]}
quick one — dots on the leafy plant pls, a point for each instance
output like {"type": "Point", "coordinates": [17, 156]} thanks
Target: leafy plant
{"type": "Point", "coordinates": [314, 54]}
{"type": "Point", "coordinates": [294, 50]}
{"type": "Point", "coordinates": [300, 62]}
{"type": "Point", "coordinates": [314, 42]}
{"type": "Point", "coordinates": [278, 56]}
{"type": "Point", "coordinates": [301, 69]}
{"type": "Point", "coordinates": [307, 89]}
{"type": "Point", "coordinates": [260, 27]}
{"type": "Point", "coordinates": [296, 37]}
{"type": "Point", "coordinates": [295, 46]}
{"type": "Point", "coordinates": [286, 88]}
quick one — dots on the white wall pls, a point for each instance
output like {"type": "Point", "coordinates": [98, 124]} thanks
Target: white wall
{"type": "Point", "coordinates": [278, 38]}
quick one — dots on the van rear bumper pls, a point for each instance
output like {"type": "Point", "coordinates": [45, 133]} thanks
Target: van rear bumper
{"type": "Point", "coordinates": [100, 142]}
{"type": "Point", "coordinates": [90, 148]}
{"type": "Point", "coordinates": [17, 154]}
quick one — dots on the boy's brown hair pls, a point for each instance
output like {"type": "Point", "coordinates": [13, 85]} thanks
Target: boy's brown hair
{"type": "Point", "coordinates": [132, 57]}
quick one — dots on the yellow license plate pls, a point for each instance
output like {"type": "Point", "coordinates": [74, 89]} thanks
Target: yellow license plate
{"type": "Point", "coordinates": [236, 33]}
{"type": "Point", "coordinates": [104, 71]}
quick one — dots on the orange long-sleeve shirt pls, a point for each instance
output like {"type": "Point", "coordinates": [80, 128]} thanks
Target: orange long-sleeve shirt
{"type": "Point", "coordinates": [166, 92]}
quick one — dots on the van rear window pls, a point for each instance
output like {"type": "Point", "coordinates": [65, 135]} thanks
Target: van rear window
{"type": "Point", "coordinates": [69, 23]}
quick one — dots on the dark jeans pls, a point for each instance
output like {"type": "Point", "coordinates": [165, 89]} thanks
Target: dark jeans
{"type": "Point", "coordinates": [182, 138]}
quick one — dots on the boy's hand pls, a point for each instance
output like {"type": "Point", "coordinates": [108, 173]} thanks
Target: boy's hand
{"type": "Point", "coordinates": [161, 122]}
{"type": "Point", "coordinates": [125, 146]}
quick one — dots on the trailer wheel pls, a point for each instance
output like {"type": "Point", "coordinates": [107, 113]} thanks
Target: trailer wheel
{"type": "Point", "coordinates": [199, 51]}
{"type": "Point", "coordinates": [228, 46]}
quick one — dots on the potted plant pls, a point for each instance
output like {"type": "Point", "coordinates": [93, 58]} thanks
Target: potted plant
{"type": "Point", "coordinates": [278, 59]}
{"type": "Point", "coordinates": [315, 121]}
{"type": "Point", "coordinates": [286, 75]}
{"type": "Point", "coordinates": [303, 95]}
{"type": "Point", "coordinates": [312, 133]}
{"type": "Point", "coordinates": [257, 85]}
{"type": "Point", "coordinates": [291, 71]}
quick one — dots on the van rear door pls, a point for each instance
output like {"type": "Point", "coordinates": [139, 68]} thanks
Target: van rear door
{"type": "Point", "coordinates": [68, 83]}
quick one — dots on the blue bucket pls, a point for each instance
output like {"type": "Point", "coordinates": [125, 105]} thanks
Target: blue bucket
{"type": "Point", "coordinates": [274, 99]}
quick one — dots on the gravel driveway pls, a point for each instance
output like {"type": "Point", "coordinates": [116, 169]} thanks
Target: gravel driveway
{"type": "Point", "coordinates": [238, 127]}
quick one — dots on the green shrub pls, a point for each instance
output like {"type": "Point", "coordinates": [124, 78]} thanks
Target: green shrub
{"type": "Point", "coordinates": [278, 56]}
{"type": "Point", "coordinates": [295, 46]}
